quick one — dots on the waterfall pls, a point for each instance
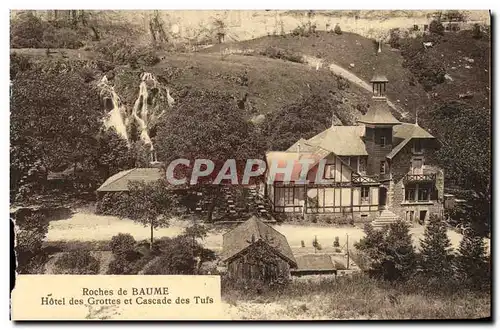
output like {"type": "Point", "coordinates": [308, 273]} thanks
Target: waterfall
{"type": "Point", "coordinates": [117, 116]}
{"type": "Point", "coordinates": [145, 111]}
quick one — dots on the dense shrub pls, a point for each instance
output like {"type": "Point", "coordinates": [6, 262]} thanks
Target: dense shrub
{"type": "Point", "coordinates": [476, 31]}
{"type": "Point", "coordinates": [30, 233]}
{"type": "Point", "coordinates": [122, 51]}
{"type": "Point", "coordinates": [18, 63]}
{"type": "Point", "coordinates": [77, 262]}
{"type": "Point", "coordinates": [26, 31]}
{"type": "Point", "coordinates": [122, 244]}
{"type": "Point", "coordinates": [395, 38]}
{"type": "Point", "coordinates": [337, 29]}
{"type": "Point", "coordinates": [61, 38]}
{"type": "Point", "coordinates": [278, 53]}
{"type": "Point", "coordinates": [436, 27]}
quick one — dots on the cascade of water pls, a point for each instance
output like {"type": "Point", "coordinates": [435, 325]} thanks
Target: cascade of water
{"type": "Point", "coordinates": [142, 112]}
{"type": "Point", "coordinates": [117, 116]}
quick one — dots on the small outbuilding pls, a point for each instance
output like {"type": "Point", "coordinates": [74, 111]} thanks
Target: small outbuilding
{"type": "Point", "coordinates": [256, 251]}
{"type": "Point", "coordinates": [119, 182]}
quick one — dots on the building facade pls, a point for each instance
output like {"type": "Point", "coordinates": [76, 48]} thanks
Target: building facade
{"type": "Point", "coordinates": [380, 164]}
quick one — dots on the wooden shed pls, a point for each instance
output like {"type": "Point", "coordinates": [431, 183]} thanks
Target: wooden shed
{"type": "Point", "coordinates": [256, 251]}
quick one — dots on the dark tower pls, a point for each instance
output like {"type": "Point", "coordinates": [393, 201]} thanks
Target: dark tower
{"type": "Point", "coordinates": [378, 122]}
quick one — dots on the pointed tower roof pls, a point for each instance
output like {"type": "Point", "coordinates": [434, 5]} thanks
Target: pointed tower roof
{"type": "Point", "coordinates": [379, 113]}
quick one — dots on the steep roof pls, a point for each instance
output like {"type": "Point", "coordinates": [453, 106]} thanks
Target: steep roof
{"type": "Point", "coordinates": [120, 181]}
{"type": "Point", "coordinates": [341, 140]}
{"type": "Point", "coordinates": [406, 132]}
{"type": "Point", "coordinates": [379, 113]}
{"type": "Point", "coordinates": [240, 238]}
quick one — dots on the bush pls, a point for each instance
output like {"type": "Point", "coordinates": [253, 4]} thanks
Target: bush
{"type": "Point", "coordinates": [436, 27]}
{"type": "Point", "coordinates": [122, 51]}
{"type": "Point", "coordinates": [18, 63]}
{"type": "Point", "coordinates": [31, 231]}
{"type": "Point", "coordinates": [278, 53]}
{"type": "Point", "coordinates": [395, 38]}
{"type": "Point", "coordinates": [26, 31]}
{"type": "Point", "coordinates": [476, 31]}
{"type": "Point", "coordinates": [336, 242]}
{"type": "Point", "coordinates": [337, 29]}
{"type": "Point", "coordinates": [61, 38]}
{"type": "Point", "coordinates": [77, 262]}
{"type": "Point", "coordinates": [122, 244]}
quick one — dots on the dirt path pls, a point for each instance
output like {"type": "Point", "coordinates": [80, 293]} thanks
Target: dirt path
{"type": "Point", "coordinates": [340, 71]}
{"type": "Point", "coordinates": [92, 227]}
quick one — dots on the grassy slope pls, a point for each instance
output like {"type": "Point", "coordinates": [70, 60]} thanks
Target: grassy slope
{"type": "Point", "coordinates": [272, 83]}
{"type": "Point", "coordinates": [351, 48]}
{"type": "Point", "coordinates": [343, 50]}
{"type": "Point", "coordinates": [356, 298]}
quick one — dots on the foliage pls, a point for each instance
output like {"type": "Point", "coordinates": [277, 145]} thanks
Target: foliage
{"type": "Point", "coordinates": [390, 250]}
{"type": "Point", "coordinates": [435, 251]}
{"type": "Point", "coordinates": [150, 204]}
{"type": "Point", "coordinates": [26, 31]}
{"type": "Point", "coordinates": [436, 27]}
{"type": "Point", "coordinates": [64, 37]}
{"type": "Point", "coordinates": [196, 231]}
{"type": "Point", "coordinates": [54, 119]}
{"type": "Point", "coordinates": [473, 265]}
{"type": "Point", "coordinates": [111, 154]}
{"type": "Point", "coordinates": [18, 63]}
{"type": "Point", "coordinates": [465, 155]}
{"type": "Point", "coordinates": [337, 29]}
{"type": "Point", "coordinates": [220, 133]}
{"type": "Point", "coordinates": [395, 38]}
{"type": "Point", "coordinates": [122, 243]}
{"type": "Point", "coordinates": [278, 53]}
{"type": "Point", "coordinates": [124, 51]}
{"type": "Point", "coordinates": [429, 71]}
{"type": "Point", "coordinates": [476, 32]}
{"type": "Point", "coordinates": [77, 262]}
{"type": "Point", "coordinates": [336, 242]}
{"type": "Point", "coordinates": [178, 256]}
{"type": "Point", "coordinates": [302, 119]}
{"type": "Point", "coordinates": [31, 231]}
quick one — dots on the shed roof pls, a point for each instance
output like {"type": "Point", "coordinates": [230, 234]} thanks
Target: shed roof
{"type": "Point", "coordinates": [315, 262]}
{"type": "Point", "coordinates": [121, 180]}
{"type": "Point", "coordinates": [341, 140]}
{"type": "Point", "coordinates": [379, 113]}
{"type": "Point", "coordinates": [379, 78]}
{"type": "Point", "coordinates": [240, 238]}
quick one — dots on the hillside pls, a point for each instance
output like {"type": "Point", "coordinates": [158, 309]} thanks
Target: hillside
{"type": "Point", "coordinates": [465, 59]}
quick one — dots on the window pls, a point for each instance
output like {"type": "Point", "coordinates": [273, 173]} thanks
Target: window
{"type": "Point", "coordinates": [417, 166]}
{"type": "Point", "coordinates": [329, 171]}
{"type": "Point", "coordinates": [288, 196]}
{"type": "Point", "coordinates": [365, 194]}
{"type": "Point", "coordinates": [423, 194]}
{"type": "Point", "coordinates": [362, 165]}
{"type": "Point", "coordinates": [382, 167]}
{"type": "Point", "coordinates": [417, 146]}
{"type": "Point", "coordinates": [354, 163]}
{"type": "Point", "coordinates": [410, 194]}
{"type": "Point", "coordinates": [382, 141]}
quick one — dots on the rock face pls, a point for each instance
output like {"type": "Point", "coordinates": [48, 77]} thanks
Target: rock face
{"type": "Point", "coordinates": [386, 217]}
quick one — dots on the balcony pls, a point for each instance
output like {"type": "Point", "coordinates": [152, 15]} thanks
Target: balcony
{"type": "Point", "coordinates": [419, 178]}
{"type": "Point", "coordinates": [364, 179]}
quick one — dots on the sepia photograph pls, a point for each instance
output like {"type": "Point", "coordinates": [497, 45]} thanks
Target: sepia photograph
{"type": "Point", "coordinates": [295, 164]}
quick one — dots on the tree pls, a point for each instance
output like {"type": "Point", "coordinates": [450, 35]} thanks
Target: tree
{"type": "Point", "coordinates": [476, 31]}
{"type": "Point", "coordinates": [302, 119]}
{"type": "Point", "coordinates": [150, 204]}
{"type": "Point", "coordinates": [337, 29]}
{"type": "Point", "coordinates": [26, 30]}
{"type": "Point", "coordinates": [390, 250]}
{"type": "Point", "coordinates": [472, 263]}
{"type": "Point", "coordinates": [219, 132]}
{"type": "Point", "coordinates": [436, 27]}
{"type": "Point", "coordinates": [31, 230]}
{"type": "Point", "coordinates": [435, 249]}
{"type": "Point", "coordinates": [55, 117]}
{"type": "Point", "coordinates": [465, 155]}
{"type": "Point", "coordinates": [111, 154]}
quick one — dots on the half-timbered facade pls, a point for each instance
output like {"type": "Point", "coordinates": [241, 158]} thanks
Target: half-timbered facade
{"type": "Point", "coordinates": [380, 164]}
